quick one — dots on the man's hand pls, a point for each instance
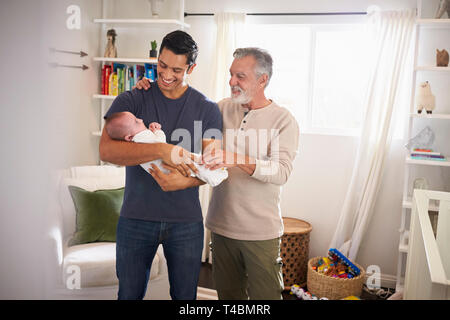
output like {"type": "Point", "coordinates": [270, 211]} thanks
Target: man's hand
{"type": "Point", "coordinates": [144, 83]}
{"type": "Point", "coordinates": [172, 181]}
{"type": "Point", "coordinates": [179, 158]}
{"type": "Point", "coordinates": [215, 158]}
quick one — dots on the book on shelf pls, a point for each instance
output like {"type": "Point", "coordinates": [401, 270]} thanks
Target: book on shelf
{"type": "Point", "coordinates": [150, 71]}
{"type": "Point", "coordinates": [427, 157]}
{"type": "Point", "coordinates": [140, 71]}
{"type": "Point", "coordinates": [117, 77]}
{"type": "Point", "coordinates": [426, 154]}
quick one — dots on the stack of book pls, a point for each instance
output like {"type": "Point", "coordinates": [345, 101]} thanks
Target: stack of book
{"type": "Point", "coordinates": [426, 154]}
{"type": "Point", "coordinates": [117, 77]}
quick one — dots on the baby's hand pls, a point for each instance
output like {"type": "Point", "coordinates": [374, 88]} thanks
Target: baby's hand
{"type": "Point", "coordinates": [154, 126]}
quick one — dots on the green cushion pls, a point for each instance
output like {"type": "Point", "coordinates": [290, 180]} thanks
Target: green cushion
{"type": "Point", "coordinates": [97, 214]}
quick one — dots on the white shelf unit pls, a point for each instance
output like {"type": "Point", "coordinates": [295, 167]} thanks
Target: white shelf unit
{"type": "Point", "coordinates": [432, 68]}
{"type": "Point", "coordinates": [103, 96]}
{"type": "Point", "coordinates": [433, 23]}
{"type": "Point", "coordinates": [106, 23]}
{"type": "Point", "coordinates": [437, 24]}
{"type": "Point", "coordinates": [431, 116]}
{"type": "Point", "coordinates": [126, 60]}
{"type": "Point", "coordinates": [143, 22]}
{"type": "Point", "coordinates": [438, 163]}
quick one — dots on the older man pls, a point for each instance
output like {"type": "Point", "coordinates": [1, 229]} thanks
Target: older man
{"type": "Point", "coordinates": [260, 142]}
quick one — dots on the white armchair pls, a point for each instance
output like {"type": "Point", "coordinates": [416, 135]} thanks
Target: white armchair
{"type": "Point", "coordinates": [88, 271]}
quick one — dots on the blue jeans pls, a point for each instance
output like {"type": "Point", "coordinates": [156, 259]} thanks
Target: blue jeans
{"type": "Point", "coordinates": [136, 245]}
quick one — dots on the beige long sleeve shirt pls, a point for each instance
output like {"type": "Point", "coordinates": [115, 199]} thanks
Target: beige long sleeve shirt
{"type": "Point", "coordinates": [247, 207]}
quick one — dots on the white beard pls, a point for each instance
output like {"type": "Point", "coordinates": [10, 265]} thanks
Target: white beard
{"type": "Point", "coordinates": [242, 98]}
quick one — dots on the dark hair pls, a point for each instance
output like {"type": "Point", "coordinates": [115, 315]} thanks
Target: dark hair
{"type": "Point", "coordinates": [116, 130]}
{"type": "Point", "coordinates": [179, 42]}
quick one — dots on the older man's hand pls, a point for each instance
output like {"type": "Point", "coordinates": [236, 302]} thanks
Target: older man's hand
{"type": "Point", "coordinates": [144, 83]}
{"type": "Point", "coordinates": [215, 158]}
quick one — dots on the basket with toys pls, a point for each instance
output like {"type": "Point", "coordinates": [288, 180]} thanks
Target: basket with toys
{"type": "Point", "coordinates": [335, 276]}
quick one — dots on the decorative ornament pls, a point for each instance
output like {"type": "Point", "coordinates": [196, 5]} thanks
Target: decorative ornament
{"type": "Point", "coordinates": [111, 50]}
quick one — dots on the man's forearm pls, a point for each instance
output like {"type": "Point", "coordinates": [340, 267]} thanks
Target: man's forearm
{"type": "Point", "coordinates": [125, 153]}
{"type": "Point", "coordinates": [246, 164]}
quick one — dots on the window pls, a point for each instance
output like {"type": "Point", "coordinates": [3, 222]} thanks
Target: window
{"type": "Point", "coordinates": [319, 72]}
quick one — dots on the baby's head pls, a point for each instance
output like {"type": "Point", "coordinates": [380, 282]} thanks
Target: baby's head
{"type": "Point", "coordinates": [123, 126]}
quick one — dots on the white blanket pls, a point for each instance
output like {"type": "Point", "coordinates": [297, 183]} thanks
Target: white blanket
{"type": "Point", "coordinates": [212, 177]}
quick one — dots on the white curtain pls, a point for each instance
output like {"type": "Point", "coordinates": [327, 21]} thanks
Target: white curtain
{"type": "Point", "coordinates": [228, 27]}
{"type": "Point", "coordinates": [392, 34]}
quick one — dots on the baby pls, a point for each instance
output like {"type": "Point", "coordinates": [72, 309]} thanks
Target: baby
{"type": "Point", "coordinates": [125, 126]}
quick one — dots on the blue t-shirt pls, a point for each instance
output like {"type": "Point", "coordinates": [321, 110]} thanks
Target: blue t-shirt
{"type": "Point", "coordinates": [184, 121]}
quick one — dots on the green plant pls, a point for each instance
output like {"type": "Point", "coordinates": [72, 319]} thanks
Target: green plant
{"type": "Point", "coordinates": [154, 45]}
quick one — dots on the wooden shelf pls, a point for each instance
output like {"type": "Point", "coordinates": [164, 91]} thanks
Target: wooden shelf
{"type": "Point", "coordinates": [444, 116]}
{"type": "Point", "coordinates": [127, 60]}
{"type": "Point", "coordinates": [446, 163]}
{"type": "Point", "coordinates": [144, 21]}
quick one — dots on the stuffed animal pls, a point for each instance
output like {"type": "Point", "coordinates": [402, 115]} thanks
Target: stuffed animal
{"type": "Point", "coordinates": [111, 50]}
{"type": "Point", "coordinates": [444, 6]}
{"type": "Point", "coordinates": [424, 98]}
{"type": "Point", "coordinates": [441, 58]}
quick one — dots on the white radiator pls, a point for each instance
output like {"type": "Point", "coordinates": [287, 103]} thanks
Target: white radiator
{"type": "Point", "coordinates": [428, 262]}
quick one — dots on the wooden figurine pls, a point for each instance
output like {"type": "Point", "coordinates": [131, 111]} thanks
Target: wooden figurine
{"type": "Point", "coordinates": [111, 50]}
{"type": "Point", "coordinates": [441, 58]}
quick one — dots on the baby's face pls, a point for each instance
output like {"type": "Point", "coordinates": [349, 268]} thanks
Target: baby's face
{"type": "Point", "coordinates": [134, 124]}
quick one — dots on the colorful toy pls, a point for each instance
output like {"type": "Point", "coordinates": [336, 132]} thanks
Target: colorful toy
{"type": "Point", "coordinates": [351, 298]}
{"type": "Point", "coordinates": [302, 294]}
{"type": "Point", "coordinates": [324, 264]}
{"type": "Point", "coordinates": [295, 289]}
{"type": "Point", "coordinates": [336, 265]}
{"type": "Point", "coordinates": [336, 256]}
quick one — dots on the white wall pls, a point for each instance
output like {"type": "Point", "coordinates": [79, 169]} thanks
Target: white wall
{"type": "Point", "coordinates": [47, 116]}
{"type": "Point", "coordinates": [70, 90]}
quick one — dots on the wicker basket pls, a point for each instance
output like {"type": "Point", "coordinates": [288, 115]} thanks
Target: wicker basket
{"type": "Point", "coordinates": [333, 288]}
